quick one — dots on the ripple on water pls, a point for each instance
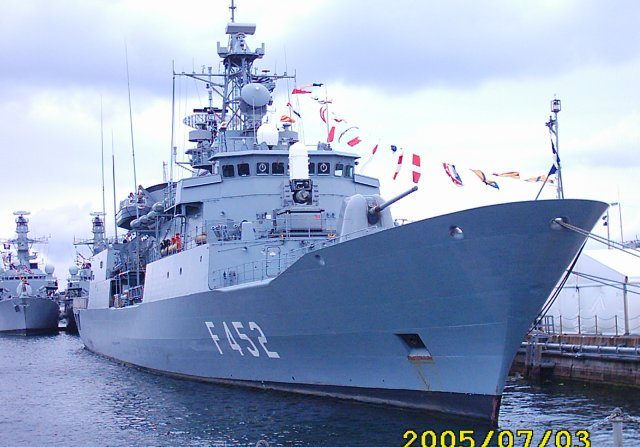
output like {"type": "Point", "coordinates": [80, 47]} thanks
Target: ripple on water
{"type": "Point", "coordinates": [54, 392]}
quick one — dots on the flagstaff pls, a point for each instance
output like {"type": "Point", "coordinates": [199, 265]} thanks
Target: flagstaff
{"type": "Point", "coordinates": [552, 124]}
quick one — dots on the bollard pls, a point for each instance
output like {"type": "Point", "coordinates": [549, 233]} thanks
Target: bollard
{"type": "Point", "coordinates": [616, 419]}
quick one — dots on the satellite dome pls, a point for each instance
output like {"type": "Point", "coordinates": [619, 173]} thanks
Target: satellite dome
{"type": "Point", "coordinates": [49, 269]}
{"type": "Point", "coordinates": [73, 270]}
{"type": "Point", "coordinates": [255, 95]}
{"type": "Point", "coordinates": [298, 161]}
{"type": "Point", "coordinates": [267, 133]}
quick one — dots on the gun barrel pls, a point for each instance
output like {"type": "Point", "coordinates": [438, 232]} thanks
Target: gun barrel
{"type": "Point", "coordinates": [388, 203]}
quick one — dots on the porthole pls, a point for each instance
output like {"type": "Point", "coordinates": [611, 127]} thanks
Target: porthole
{"type": "Point", "coordinates": [348, 171]}
{"type": "Point", "coordinates": [324, 168]}
{"type": "Point", "coordinates": [243, 170]}
{"type": "Point", "coordinates": [228, 170]}
{"type": "Point", "coordinates": [277, 168]}
{"type": "Point", "coordinates": [262, 168]}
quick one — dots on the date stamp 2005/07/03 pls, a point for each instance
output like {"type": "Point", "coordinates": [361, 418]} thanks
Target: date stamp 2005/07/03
{"type": "Point", "coordinates": [499, 438]}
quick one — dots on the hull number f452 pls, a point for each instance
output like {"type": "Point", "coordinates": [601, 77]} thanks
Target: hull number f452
{"type": "Point", "coordinates": [241, 335]}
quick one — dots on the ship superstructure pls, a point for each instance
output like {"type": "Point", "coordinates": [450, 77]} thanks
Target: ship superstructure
{"type": "Point", "coordinates": [277, 265]}
{"type": "Point", "coordinates": [80, 274]}
{"type": "Point", "coordinates": [27, 294]}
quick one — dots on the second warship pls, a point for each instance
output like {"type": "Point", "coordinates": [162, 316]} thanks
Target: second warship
{"type": "Point", "coordinates": [80, 274]}
{"type": "Point", "coordinates": [27, 294]}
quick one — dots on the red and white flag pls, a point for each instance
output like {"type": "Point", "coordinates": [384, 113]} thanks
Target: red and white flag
{"type": "Point", "coordinates": [332, 134]}
{"type": "Point", "coordinates": [354, 141]}
{"type": "Point", "coordinates": [399, 165]}
{"type": "Point", "coordinates": [416, 168]}
{"type": "Point", "coordinates": [375, 149]}
{"type": "Point", "coordinates": [299, 91]}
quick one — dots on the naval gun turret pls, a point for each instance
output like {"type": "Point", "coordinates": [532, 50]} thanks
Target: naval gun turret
{"type": "Point", "coordinates": [361, 214]}
{"type": "Point", "coordinates": [373, 215]}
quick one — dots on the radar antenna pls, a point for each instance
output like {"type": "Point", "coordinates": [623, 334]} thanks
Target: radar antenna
{"type": "Point", "coordinates": [233, 11]}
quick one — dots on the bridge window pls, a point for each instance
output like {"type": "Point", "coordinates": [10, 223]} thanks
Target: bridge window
{"type": "Point", "coordinates": [243, 170]}
{"type": "Point", "coordinates": [324, 168]}
{"type": "Point", "coordinates": [348, 172]}
{"type": "Point", "coordinates": [312, 168]}
{"type": "Point", "coordinates": [338, 170]}
{"type": "Point", "coordinates": [262, 168]}
{"type": "Point", "coordinates": [277, 168]}
{"type": "Point", "coordinates": [228, 170]}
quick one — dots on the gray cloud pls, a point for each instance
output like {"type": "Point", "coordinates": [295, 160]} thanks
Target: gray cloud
{"type": "Point", "coordinates": [406, 44]}
{"type": "Point", "coordinates": [58, 57]}
{"type": "Point", "coordinates": [71, 44]}
{"type": "Point", "coordinates": [460, 43]}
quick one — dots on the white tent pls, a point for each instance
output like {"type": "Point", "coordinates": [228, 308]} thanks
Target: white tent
{"type": "Point", "coordinates": [602, 295]}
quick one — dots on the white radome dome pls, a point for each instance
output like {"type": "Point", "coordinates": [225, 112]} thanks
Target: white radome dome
{"type": "Point", "coordinates": [268, 134]}
{"type": "Point", "coordinates": [73, 270]}
{"type": "Point", "coordinates": [49, 269]}
{"type": "Point", "coordinates": [298, 161]}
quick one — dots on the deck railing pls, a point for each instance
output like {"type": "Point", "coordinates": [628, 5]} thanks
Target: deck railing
{"type": "Point", "coordinates": [276, 261]}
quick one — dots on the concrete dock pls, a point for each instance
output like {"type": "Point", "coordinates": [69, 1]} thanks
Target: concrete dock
{"type": "Point", "coordinates": [613, 360]}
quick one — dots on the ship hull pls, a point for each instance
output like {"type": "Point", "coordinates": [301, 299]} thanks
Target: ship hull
{"type": "Point", "coordinates": [409, 316]}
{"type": "Point", "coordinates": [28, 316]}
{"type": "Point", "coordinates": [69, 317]}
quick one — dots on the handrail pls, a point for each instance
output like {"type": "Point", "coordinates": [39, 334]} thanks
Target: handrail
{"type": "Point", "coordinates": [262, 269]}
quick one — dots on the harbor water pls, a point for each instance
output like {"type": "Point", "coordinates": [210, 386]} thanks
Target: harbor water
{"type": "Point", "coordinates": [54, 392]}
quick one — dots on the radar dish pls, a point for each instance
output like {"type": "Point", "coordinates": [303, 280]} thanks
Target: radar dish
{"type": "Point", "coordinates": [255, 95]}
{"type": "Point", "coordinates": [195, 119]}
{"type": "Point", "coordinates": [21, 213]}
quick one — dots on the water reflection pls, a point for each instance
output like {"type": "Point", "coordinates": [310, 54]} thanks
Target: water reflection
{"type": "Point", "coordinates": [57, 393]}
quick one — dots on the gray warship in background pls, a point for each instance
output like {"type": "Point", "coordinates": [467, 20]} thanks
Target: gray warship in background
{"type": "Point", "coordinates": [80, 274]}
{"type": "Point", "coordinates": [278, 266]}
{"type": "Point", "coordinates": [27, 294]}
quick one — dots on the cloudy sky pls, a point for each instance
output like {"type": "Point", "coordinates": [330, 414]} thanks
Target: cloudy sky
{"type": "Point", "coordinates": [464, 82]}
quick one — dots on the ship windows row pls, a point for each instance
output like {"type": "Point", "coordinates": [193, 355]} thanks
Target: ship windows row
{"type": "Point", "coordinates": [21, 277]}
{"type": "Point", "coordinates": [278, 168]}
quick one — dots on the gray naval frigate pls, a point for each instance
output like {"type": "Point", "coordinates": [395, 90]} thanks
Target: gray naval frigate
{"type": "Point", "coordinates": [278, 266]}
{"type": "Point", "coordinates": [27, 294]}
{"type": "Point", "coordinates": [80, 274]}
